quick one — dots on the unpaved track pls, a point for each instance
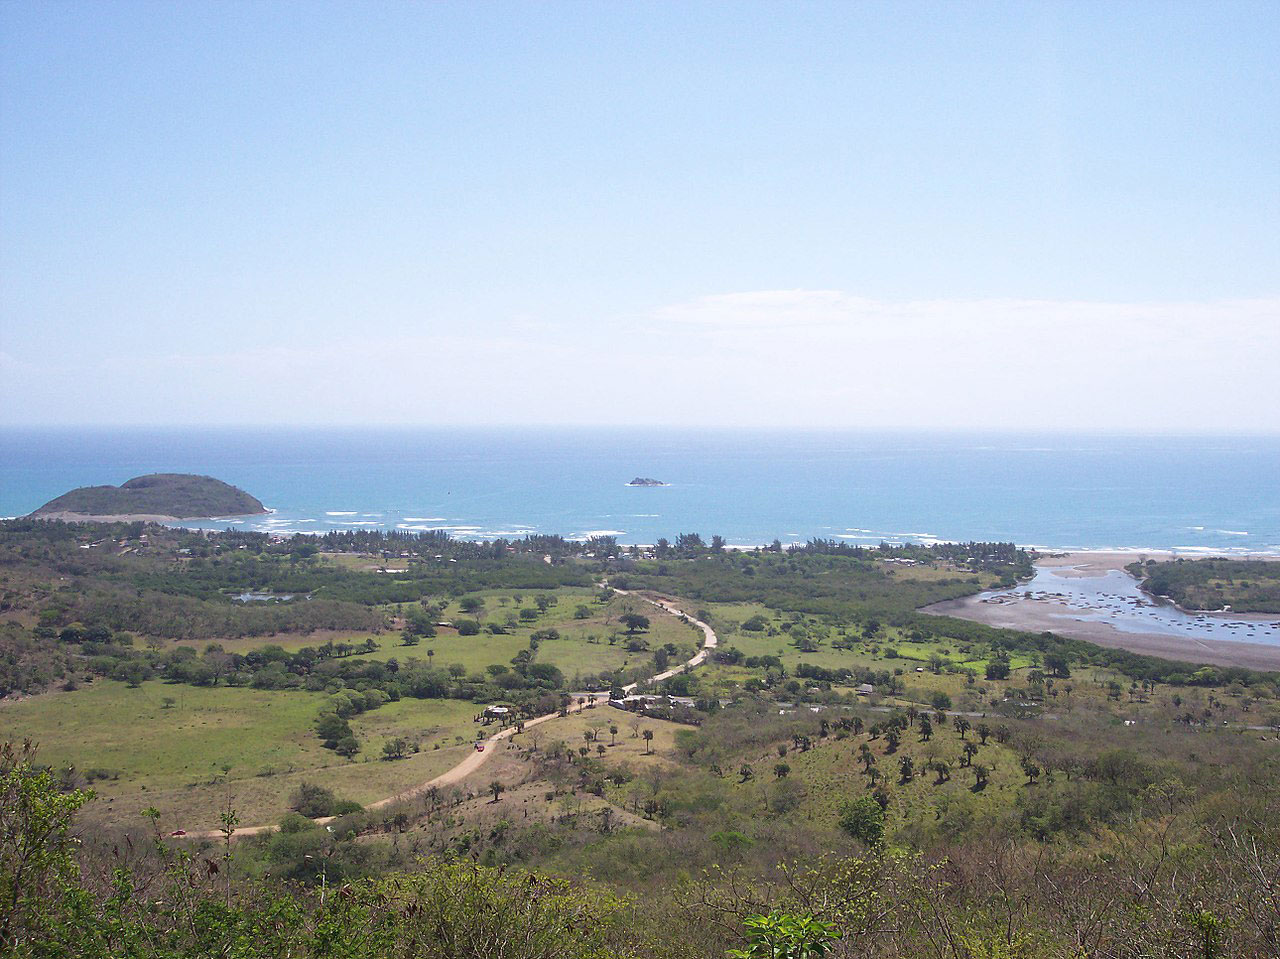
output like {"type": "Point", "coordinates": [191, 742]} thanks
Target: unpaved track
{"type": "Point", "coordinates": [476, 759]}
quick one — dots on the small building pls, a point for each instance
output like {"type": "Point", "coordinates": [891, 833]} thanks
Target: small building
{"type": "Point", "coordinates": [866, 689]}
{"type": "Point", "coordinates": [636, 702]}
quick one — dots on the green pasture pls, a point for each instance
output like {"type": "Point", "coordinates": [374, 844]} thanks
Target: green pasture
{"type": "Point", "coordinates": [252, 747]}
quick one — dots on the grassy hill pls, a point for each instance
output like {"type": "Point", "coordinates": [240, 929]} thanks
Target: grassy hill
{"type": "Point", "coordinates": [181, 495]}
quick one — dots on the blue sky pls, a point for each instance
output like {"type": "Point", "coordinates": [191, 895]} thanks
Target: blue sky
{"type": "Point", "coordinates": [849, 215]}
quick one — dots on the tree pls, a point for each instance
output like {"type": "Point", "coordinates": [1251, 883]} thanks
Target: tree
{"type": "Point", "coordinates": [497, 789]}
{"type": "Point", "coordinates": [613, 734]}
{"type": "Point", "coordinates": [332, 729]}
{"type": "Point", "coordinates": [998, 667]}
{"type": "Point", "coordinates": [1058, 664]}
{"type": "Point", "coordinates": [926, 729]}
{"type": "Point", "coordinates": [780, 771]}
{"type": "Point", "coordinates": [348, 746]}
{"type": "Point", "coordinates": [395, 748]}
{"type": "Point", "coordinates": [983, 731]}
{"type": "Point", "coordinates": [648, 740]}
{"type": "Point", "coordinates": [906, 769]}
{"type": "Point", "coordinates": [961, 725]}
{"type": "Point", "coordinates": [863, 819]}
{"type": "Point", "coordinates": [634, 622]}
{"type": "Point", "coordinates": [38, 867]}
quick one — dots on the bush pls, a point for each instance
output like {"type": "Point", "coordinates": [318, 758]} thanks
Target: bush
{"type": "Point", "coordinates": [312, 801]}
{"type": "Point", "coordinates": [863, 819]}
{"type": "Point", "coordinates": [294, 822]}
{"type": "Point", "coordinates": [467, 627]}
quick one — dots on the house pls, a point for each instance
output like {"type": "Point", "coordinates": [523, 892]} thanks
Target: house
{"type": "Point", "coordinates": [636, 702]}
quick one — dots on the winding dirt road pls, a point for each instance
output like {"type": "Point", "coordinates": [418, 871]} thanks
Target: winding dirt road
{"type": "Point", "coordinates": [476, 758]}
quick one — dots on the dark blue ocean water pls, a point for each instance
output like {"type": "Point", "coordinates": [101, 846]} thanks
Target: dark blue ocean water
{"type": "Point", "coordinates": [1057, 490]}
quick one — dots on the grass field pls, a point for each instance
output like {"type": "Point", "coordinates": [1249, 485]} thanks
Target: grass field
{"type": "Point", "coordinates": [628, 746]}
{"type": "Point", "coordinates": [583, 648]}
{"type": "Point", "coordinates": [253, 746]}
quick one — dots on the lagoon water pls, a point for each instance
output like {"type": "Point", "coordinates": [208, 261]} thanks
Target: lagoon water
{"type": "Point", "coordinates": [1063, 491]}
{"type": "Point", "coordinates": [1115, 598]}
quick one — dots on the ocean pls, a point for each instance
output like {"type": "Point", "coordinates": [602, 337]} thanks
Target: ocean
{"type": "Point", "coordinates": [1062, 491]}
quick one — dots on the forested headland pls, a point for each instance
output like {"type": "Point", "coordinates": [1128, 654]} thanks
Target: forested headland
{"type": "Point", "coordinates": [1240, 585]}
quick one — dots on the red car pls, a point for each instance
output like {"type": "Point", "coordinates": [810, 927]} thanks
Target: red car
{"type": "Point", "coordinates": [479, 747]}
{"type": "Point", "coordinates": [178, 832]}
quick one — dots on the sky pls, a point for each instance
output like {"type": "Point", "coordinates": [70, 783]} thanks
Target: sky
{"type": "Point", "coordinates": [993, 216]}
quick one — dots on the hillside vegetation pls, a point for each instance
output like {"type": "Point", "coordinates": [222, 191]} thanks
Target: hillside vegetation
{"type": "Point", "coordinates": [179, 495]}
{"type": "Point", "coordinates": [842, 777]}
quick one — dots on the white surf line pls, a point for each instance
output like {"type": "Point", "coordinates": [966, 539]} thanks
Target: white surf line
{"type": "Point", "coordinates": [478, 758]}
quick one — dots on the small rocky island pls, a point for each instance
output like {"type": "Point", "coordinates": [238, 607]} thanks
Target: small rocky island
{"type": "Point", "coordinates": [646, 481]}
{"type": "Point", "coordinates": [158, 497]}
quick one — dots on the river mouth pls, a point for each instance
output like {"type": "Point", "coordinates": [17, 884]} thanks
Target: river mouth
{"type": "Point", "coordinates": [1113, 597]}
{"type": "Point", "coordinates": [1089, 596]}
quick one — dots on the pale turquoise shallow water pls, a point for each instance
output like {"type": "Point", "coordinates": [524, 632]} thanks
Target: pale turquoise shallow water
{"type": "Point", "coordinates": [1195, 493]}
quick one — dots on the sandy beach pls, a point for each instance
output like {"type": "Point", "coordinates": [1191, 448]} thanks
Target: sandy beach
{"type": "Point", "coordinates": [1040, 615]}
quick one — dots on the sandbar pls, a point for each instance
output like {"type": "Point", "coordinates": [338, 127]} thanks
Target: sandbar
{"type": "Point", "coordinates": [1039, 615]}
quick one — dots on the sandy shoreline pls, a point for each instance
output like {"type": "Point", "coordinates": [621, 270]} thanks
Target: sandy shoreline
{"type": "Point", "coordinates": [1038, 616]}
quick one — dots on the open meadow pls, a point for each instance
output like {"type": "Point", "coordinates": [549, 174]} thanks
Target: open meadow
{"type": "Point", "coordinates": [212, 746]}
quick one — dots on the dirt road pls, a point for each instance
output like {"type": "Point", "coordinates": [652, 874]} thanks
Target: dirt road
{"type": "Point", "coordinates": [477, 759]}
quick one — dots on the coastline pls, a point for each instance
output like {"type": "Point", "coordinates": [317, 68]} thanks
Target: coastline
{"type": "Point", "coordinates": [1035, 616]}
{"type": "Point", "coordinates": [65, 516]}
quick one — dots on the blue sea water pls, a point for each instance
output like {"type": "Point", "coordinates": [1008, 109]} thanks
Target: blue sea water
{"type": "Point", "coordinates": [1064, 491]}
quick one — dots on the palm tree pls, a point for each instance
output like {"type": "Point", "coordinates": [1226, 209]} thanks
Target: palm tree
{"type": "Point", "coordinates": [648, 740]}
